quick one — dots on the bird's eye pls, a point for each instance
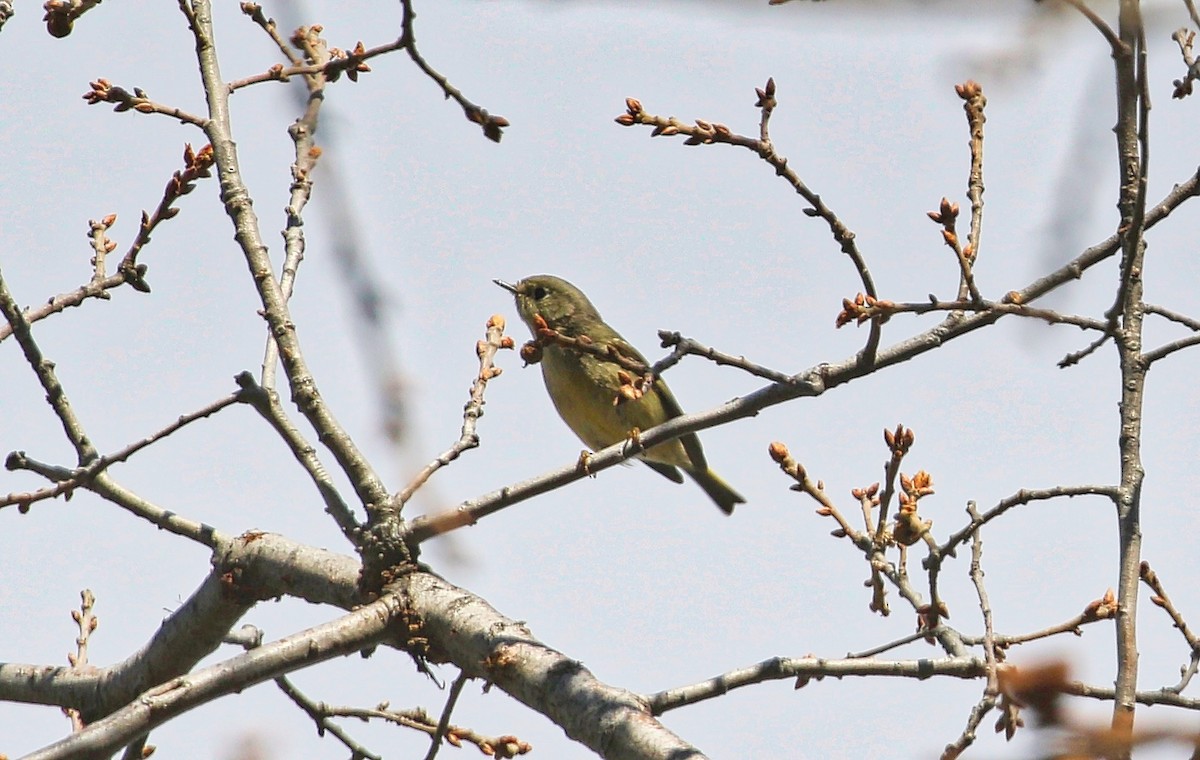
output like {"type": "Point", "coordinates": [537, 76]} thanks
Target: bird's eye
{"type": "Point", "coordinates": [539, 293]}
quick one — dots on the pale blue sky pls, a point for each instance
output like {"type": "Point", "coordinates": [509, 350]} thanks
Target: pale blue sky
{"type": "Point", "coordinates": [642, 580]}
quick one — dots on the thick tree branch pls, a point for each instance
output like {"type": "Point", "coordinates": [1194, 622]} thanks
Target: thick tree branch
{"type": "Point", "coordinates": [156, 706]}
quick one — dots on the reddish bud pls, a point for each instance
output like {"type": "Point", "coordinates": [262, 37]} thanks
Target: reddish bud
{"type": "Point", "coordinates": [778, 451]}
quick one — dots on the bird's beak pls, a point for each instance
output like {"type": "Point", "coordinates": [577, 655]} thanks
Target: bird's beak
{"type": "Point", "coordinates": [507, 286]}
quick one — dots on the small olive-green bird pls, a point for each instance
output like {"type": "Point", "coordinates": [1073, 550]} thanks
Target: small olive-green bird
{"type": "Point", "coordinates": [592, 394]}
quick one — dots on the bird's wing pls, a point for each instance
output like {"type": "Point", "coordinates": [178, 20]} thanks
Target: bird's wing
{"type": "Point", "coordinates": [623, 346]}
{"type": "Point", "coordinates": [691, 444]}
{"type": "Point", "coordinates": [666, 470]}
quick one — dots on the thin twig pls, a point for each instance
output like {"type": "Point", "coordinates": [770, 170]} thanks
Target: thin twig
{"type": "Point", "coordinates": [492, 125]}
{"type": "Point", "coordinates": [418, 719]}
{"type": "Point", "coordinates": [254, 12]}
{"type": "Point", "coordinates": [56, 395]}
{"type": "Point", "coordinates": [101, 247]}
{"type": "Point", "coordinates": [973, 104]}
{"type": "Point", "coordinates": [1165, 350]}
{"type": "Point", "coordinates": [804, 484]}
{"type": "Point", "coordinates": [366, 482]}
{"type": "Point", "coordinates": [705, 133]}
{"type": "Point", "coordinates": [320, 714]}
{"type": "Point", "coordinates": [685, 346]}
{"type": "Point", "coordinates": [468, 439]}
{"type": "Point", "coordinates": [880, 649]}
{"type": "Point", "coordinates": [947, 217]}
{"type": "Point", "coordinates": [350, 63]}
{"type": "Point", "coordinates": [250, 637]}
{"type": "Point", "coordinates": [82, 476]}
{"type": "Point", "coordinates": [806, 669]}
{"type": "Point", "coordinates": [1172, 315]}
{"type": "Point", "coordinates": [863, 308]}
{"type": "Point", "coordinates": [1022, 497]}
{"type": "Point", "coordinates": [1075, 357]}
{"type": "Point", "coordinates": [955, 749]}
{"type": "Point", "coordinates": [435, 742]}
{"type": "Point", "coordinates": [985, 607]}
{"type": "Point", "coordinates": [129, 271]}
{"type": "Point", "coordinates": [306, 154]}
{"type": "Point", "coordinates": [1095, 611]}
{"type": "Point", "coordinates": [1101, 25]}
{"type": "Point", "coordinates": [102, 485]}
{"type": "Point", "coordinates": [164, 702]}
{"type": "Point", "coordinates": [104, 91]}
{"type": "Point", "coordinates": [64, 301]}
{"type": "Point", "coordinates": [899, 442]}
{"type": "Point", "coordinates": [87, 622]}
{"type": "Point", "coordinates": [267, 404]}
{"type": "Point", "coordinates": [1162, 600]}
{"type": "Point", "coordinates": [1186, 38]}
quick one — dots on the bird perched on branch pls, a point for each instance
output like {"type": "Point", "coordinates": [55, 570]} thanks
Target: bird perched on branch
{"type": "Point", "coordinates": [598, 382]}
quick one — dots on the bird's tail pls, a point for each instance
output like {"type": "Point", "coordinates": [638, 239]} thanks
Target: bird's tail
{"type": "Point", "coordinates": [718, 490]}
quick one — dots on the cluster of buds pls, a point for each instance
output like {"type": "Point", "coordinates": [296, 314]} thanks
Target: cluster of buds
{"type": "Point", "coordinates": [929, 617]}
{"type": "Point", "coordinates": [702, 133]}
{"type": "Point", "coordinates": [947, 216]}
{"type": "Point", "coordinates": [633, 113]}
{"type": "Point", "coordinates": [317, 51]}
{"type": "Point", "coordinates": [766, 96]}
{"type": "Point", "coordinates": [308, 39]}
{"type": "Point", "coordinates": [868, 495]}
{"type": "Point", "coordinates": [102, 225]}
{"type": "Point", "coordinates": [917, 486]}
{"type": "Point", "coordinates": [104, 91]}
{"type": "Point", "coordinates": [497, 322]}
{"type": "Point", "coordinates": [908, 527]}
{"type": "Point", "coordinates": [1101, 609]}
{"type": "Point", "coordinates": [973, 100]}
{"type": "Point", "coordinates": [501, 747]}
{"type": "Point", "coordinates": [705, 133]}
{"type": "Point", "coordinates": [351, 62]}
{"type": "Point", "coordinates": [254, 11]}
{"type": "Point", "coordinates": [780, 454]}
{"type": "Point", "coordinates": [196, 165]}
{"type": "Point", "coordinates": [97, 233]}
{"type": "Point", "coordinates": [969, 89]}
{"type": "Point", "coordinates": [495, 326]}
{"type": "Point", "coordinates": [899, 441]}
{"type": "Point", "coordinates": [862, 308]}
{"type": "Point", "coordinates": [1185, 38]}
{"type": "Point", "coordinates": [492, 124]}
